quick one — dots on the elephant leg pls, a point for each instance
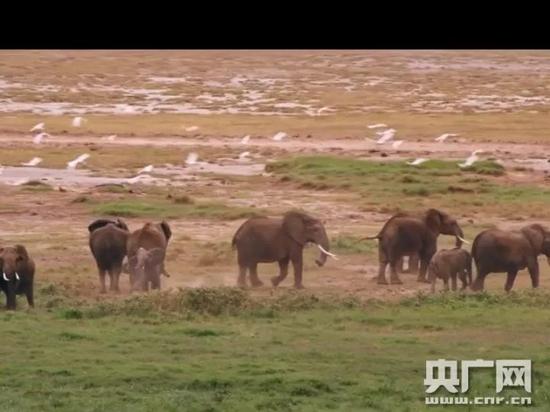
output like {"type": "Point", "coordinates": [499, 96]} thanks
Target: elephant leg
{"type": "Point", "coordinates": [413, 263]}
{"type": "Point", "coordinates": [510, 277]}
{"type": "Point", "coordinates": [155, 281]}
{"type": "Point", "coordinates": [297, 265]}
{"type": "Point", "coordinates": [383, 262]}
{"type": "Point", "coordinates": [116, 279]}
{"type": "Point", "coordinates": [425, 257]}
{"type": "Point", "coordinates": [446, 284]}
{"type": "Point", "coordinates": [464, 281]}
{"type": "Point", "coordinates": [102, 288]}
{"type": "Point", "coordinates": [394, 277]}
{"type": "Point", "coordinates": [432, 280]}
{"type": "Point", "coordinates": [479, 282]}
{"type": "Point", "coordinates": [111, 280]}
{"type": "Point", "coordinates": [423, 268]}
{"type": "Point", "coordinates": [283, 272]}
{"type": "Point", "coordinates": [29, 293]}
{"type": "Point", "coordinates": [453, 282]}
{"type": "Point", "coordinates": [401, 265]}
{"type": "Point", "coordinates": [254, 280]}
{"type": "Point", "coordinates": [533, 267]}
{"type": "Point", "coordinates": [241, 281]}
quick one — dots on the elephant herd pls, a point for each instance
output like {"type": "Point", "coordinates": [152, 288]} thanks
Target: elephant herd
{"type": "Point", "coordinates": [142, 253]}
{"type": "Point", "coordinates": [493, 250]}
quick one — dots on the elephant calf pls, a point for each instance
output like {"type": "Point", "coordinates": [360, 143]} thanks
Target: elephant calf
{"type": "Point", "coordinates": [146, 249]}
{"type": "Point", "coordinates": [448, 264]}
{"type": "Point", "coordinates": [17, 269]}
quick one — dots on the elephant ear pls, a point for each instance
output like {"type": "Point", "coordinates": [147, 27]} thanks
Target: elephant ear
{"type": "Point", "coordinates": [21, 252]}
{"type": "Point", "coordinates": [155, 256]}
{"type": "Point", "coordinates": [166, 229]}
{"type": "Point", "coordinates": [99, 223]}
{"type": "Point", "coordinates": [535, 235]}
{"type": "Point", "coordinates": [122, 224]}
{"type": "Point", "coordinates": [295, 226]}
{"type": "Point", "coordinates": [433, 219]}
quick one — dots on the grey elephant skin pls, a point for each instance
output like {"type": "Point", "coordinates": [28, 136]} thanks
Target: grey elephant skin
{"type": "Point", "coordinates": [414, 261]}
{"type": "Point", "coordinates": [406, 236]}
{"type": "Point", "coordinates": [499, 251]}
{"type": "Point", "coordinates": [108, 245]}
{"type": "Point", "coordinates": [17, 269]}
{"type": "Point", "coordinates": [146, 249]}
{"type": "Point", "coordinates": [282, 240]}
{"type": "Point", "coordinates": [449, 264]}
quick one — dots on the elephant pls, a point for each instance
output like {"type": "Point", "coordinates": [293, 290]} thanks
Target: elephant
{"type": "Point", "coordinates": [108, 245]}
{"type": "Point", "coordinates": [497, 251]}
{"type": "Point", "coordinates": [17, 269]}
{"type": "Point", "coordinates": [450, 263]}
{"type": "Point", "coordinates": [413, 259]}
{"type": "Point", "coordinates": [405, 235]}
{"type": "Point", "coordinates": [146, 253]}
{"type": "Point", "coordinates": [265, 240]}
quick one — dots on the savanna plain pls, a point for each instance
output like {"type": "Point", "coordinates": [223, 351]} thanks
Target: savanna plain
{"type": "Point", "coordinates": [343, 342]}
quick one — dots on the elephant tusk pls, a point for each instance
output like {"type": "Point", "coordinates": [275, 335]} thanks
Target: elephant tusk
{"type": "Point", "coordinates": [5, 277]}
{"type": "Point", "coordinates": [463, 240]}
{"type": "Point", "coordinates": [332, 255]}
{"type": "Point", "coordinates": [17, 276]}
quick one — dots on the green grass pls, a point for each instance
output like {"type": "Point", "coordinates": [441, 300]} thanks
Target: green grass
{"type": "Point", "coordinates": [293, 352]}
{"type": "Point", "coordinates": [433, 183]}
{"type": "Point", "coordinates": [173, 210]}
{"type": "Point", "coordinates": [348, 244]}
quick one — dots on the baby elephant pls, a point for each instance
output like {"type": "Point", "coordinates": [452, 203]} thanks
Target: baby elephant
{"type": "Point", "coordinates": [448, 263]}
{"type": "Point", "coordinates": [17, 278]}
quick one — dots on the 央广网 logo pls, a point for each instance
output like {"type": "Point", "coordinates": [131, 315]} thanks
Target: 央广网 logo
{"type": "Point", "coordinates": [443, 373]}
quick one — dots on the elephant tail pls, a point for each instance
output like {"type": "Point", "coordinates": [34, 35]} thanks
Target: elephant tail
{"type": "Point", "coordinates": [234, 240]}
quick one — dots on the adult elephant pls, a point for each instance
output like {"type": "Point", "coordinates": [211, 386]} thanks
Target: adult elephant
{"type": "Point", "coordinates": [413, 259]}
{"type": "Point", "coordinates": [497, 251]}
{"type": "Point", "coordinates": [265, 240]}
{"type": "Point", "coordinates": [17, 269]}
{"type": "Point", "coordinates": [406, 236]}
{"type": "Point", "coordinates": [108, 245]}
{"type": "Point", "coordinates": [146, 253]}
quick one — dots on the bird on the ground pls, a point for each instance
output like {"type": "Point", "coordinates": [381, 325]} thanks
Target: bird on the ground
{"type": "Point", "coordinates": [245, 139]}
{"type": "Point", "coordinates": [191, 128]}
{"type": "Point", "coordinates": [397, 143]}
{"type": "Point", "coordinates": [33, 162]}
{"type": "Point", "coordinates": [146, 169]}
{"type": "Point", "coordinates": [385, 136]}
{"type": "Point", "coordinates": [444, 137]}
{"type": "Point", "coordinates": [417, 162]}
{"type": "Point", "coordinates": [38, 128]}
{"type": "Point", "coordinates": [471, 159]}
{"type": "Point", "coordinates": [109, 138]}
{"type": "Point", "coordinates": [191, 158]}
{"type": "Point", "coordinates": [39, 137]}
{"type": "Point", "coordinates": [77, 121]}
{"type": "Point", "coordinates": [279, 136]}
{"type": "Point", "coordinates": [244, 155]}
{"type": "Point", "coordinates": [80, 159]}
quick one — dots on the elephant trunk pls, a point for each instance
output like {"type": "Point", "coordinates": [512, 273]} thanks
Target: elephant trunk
{"type": "Point", "coordinates": [324, 247]}
{"type": "Point", "coordinates": [10, 295]}
{"type": "Point", "coordinates": [459, 237]}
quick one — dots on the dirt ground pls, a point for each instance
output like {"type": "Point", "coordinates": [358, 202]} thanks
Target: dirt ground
{"type": "Point", "coordinates": [52, 222]}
